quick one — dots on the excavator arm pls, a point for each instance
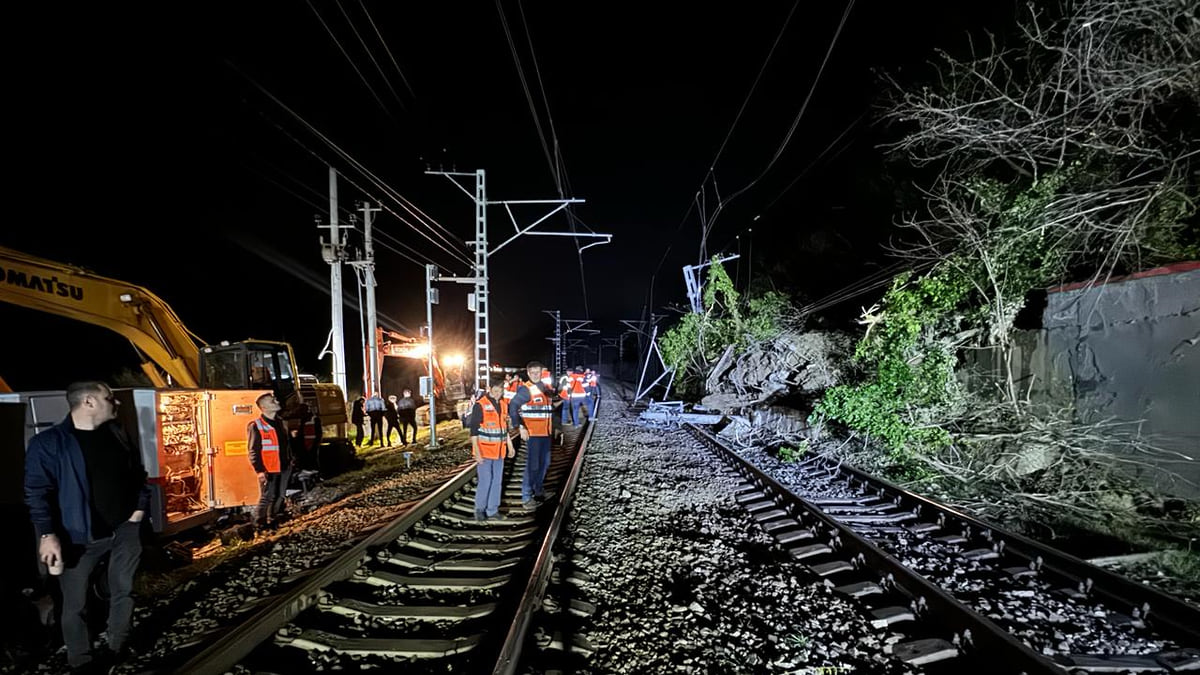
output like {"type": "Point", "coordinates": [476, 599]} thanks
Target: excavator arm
{"type": "Point", "coordinates": [166, 347]}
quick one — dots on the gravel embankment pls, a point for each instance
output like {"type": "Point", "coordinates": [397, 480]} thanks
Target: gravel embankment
{"type": "Point", "coordinates": [683, 578]}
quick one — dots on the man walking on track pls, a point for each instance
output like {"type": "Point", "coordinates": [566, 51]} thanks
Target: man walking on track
{"type": "Point", "coordinates": [531, 410]}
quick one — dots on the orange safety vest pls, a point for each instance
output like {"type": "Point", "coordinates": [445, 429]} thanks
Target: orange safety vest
{"type": "Point", "coordinates": [510, 390]}
{"type": "Point", "coordinates": [270, 444]}
{"type": "Point", "coordinates": [492, 435]}
{"type": "Point", "coordinates": [576, 384]}
{"type": "Point", "coordinates": [537, 412]}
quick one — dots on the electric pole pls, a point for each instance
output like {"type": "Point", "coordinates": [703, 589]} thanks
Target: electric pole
{"type": "Point", "coordinates": [480, 299]}
{"type": "Point", "coordinates": [367, 266]}
{"type": "Point", "coordinates": [431, 299]}
{"type": "Point", "coordinates": [334, 253]}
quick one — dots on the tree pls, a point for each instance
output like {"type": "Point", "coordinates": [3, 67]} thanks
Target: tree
{"type": "Point", "coordinates": [1072, 153]}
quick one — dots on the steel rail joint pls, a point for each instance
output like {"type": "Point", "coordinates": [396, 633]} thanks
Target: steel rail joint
{"type": "Point", "coordinates": [514, 641]}
{"type": "Point", "coordinates": [985, 634]}
{"type": "Point", "coordinates": [222, 655]}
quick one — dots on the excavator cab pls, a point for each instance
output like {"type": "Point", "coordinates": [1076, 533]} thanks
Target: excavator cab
{"type": "Point", "coordinates": [252, 364]}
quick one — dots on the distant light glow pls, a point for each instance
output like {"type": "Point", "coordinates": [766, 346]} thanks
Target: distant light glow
{"type": "Point", "coordinates": [454, 360]}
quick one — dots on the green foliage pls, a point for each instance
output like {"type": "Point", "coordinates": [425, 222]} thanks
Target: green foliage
{"type": "Point", "coordinates": [789, 455]}
{"type": "Point", "coordinates": [698, 340]}
{"type": "Point", "coordinates": [904, 370]}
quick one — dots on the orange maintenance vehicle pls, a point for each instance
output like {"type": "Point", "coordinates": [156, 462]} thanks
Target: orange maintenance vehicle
{"type": "Point", "coordinates": [191, 425]}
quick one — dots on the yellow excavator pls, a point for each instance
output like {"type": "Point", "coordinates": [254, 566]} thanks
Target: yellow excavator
{"type": "Point", "coordinates": [172, 356]}
{"type": "Point", "coordinates": [199, 388]}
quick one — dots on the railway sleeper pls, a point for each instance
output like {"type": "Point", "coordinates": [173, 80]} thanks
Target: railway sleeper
{"type": "Point", "coordinates": [1180, 661]}
{"type": "Point", "coordinates": [924, 651]}
{"type": "Point", "coordinates": [859, 589]}
{"type": "Point", "coordinates": [323, 641]}
{"type": "Point", "coordinates": [464, 565]}
{"type": "Point", "coordinates": [886, 616]}
{"type": "Point", "coordinates": [555, 642]}
{"type": "Point", "coordinates": [383, 578]}
{"type": "Point", "coordinates": [351, 607]}
{"type": "Point", "coordinates": [477, 548]}
{"type": "Point", "coordinates": [867, 518]}
{"type": "Point", "coordinates": [441, 533]}
{"type": "Point", "coordinates": [579, 608]}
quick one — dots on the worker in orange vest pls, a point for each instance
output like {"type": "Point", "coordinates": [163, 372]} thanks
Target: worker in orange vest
{"type": "Point", "coordinates": [512, 384]}
{"type": "Point", "coordinates": [532, 411]}
{"type": "Point", "coordinates": [270, 456]}
{"type": "Point", "coordinates": [579, 398]}
{"type": "Point", "coordinates": [490, 443]}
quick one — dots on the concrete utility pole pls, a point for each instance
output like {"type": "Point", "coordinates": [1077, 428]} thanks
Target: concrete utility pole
{"type": "Point", "coordinates": [431, 299]}
{"type": "Point", "coordinates": [333, 252]}
{"type": "Point", "coordinates": [371, 364]}
{"type": "Point", "coordinates": [481, 300]}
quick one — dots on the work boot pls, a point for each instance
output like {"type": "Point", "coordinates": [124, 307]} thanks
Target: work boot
{"type": "Point", "coordinates": [498, 518]}
{"type": "Point", "coordinates": [480, 517]}
{"type": "Point", "coordinates": [530, 505]}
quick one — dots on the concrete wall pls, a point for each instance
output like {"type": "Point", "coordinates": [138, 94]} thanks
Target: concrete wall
{"type": "Point", "coordinates": [1125, 350]}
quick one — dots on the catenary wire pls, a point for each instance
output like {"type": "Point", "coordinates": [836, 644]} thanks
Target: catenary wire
{"type": "Point", "coordinates": [350, 60]}
{"type": "Point", "coordinates": [370, 54]}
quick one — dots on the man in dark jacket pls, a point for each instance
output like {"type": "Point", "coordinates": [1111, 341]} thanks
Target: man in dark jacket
{"type": "Point", "coordinates": [87, 495]}
{"type": "Point", "coordinates": [358, 416]}
{"type": "Point", "coordinates": [406, 414]}
{"type": "Point", "coordinates": [267, 442]}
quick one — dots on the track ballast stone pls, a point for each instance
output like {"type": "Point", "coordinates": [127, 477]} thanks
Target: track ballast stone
{"type": "Point", "coordinates": [685, 581]}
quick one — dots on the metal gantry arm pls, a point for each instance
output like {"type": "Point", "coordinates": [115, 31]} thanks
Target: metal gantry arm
{"type": "Point", "coordinates": [562, 204]}
{"type": "Point", "coordinates": [694, 284]}
{"type": "Point", "coordinates": [482, 253]}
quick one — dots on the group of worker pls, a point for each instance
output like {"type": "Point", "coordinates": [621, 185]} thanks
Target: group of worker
{"type": "Point", "coordinates": [399, 413]}
{"type": "Point", "coordinates": [528, 407]}
{"type": "Point", "coordinates": [87, 494]}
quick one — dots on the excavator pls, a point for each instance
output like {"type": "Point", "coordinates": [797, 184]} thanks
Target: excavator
{"type": "Point", "coordinates": [191, 426]}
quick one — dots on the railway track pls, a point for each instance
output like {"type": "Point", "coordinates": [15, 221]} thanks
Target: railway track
{"type": "Point", "coordinates": [970, 597]}
{"type": "Point", "coordinates": [433, 590]}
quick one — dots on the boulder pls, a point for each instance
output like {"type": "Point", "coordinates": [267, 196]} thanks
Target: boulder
{"type": "Point", "coordinates": [791, 364]}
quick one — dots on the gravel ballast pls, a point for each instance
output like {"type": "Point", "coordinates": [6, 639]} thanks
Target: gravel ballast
{"type": "Point", "coordinates": [685, 581]}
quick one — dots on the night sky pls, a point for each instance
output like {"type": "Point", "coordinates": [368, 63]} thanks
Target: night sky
{"type": "Point", "coordinates": [148, 142]}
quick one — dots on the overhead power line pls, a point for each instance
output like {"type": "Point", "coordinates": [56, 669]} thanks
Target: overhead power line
{"type": "Point", "coordinates": [787, 138]}
{"type": "Point", "coordinates": [386, 49]}
{"type": "Point", "coordinates": [370, 54]}
{"type": "Point", "coordinates": [350, 60]}
{"type": "Point", "coordinates": [447, 243]}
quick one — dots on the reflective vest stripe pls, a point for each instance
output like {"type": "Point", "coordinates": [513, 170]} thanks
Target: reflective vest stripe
{"type": "Point", "coordinates": [270, 445]}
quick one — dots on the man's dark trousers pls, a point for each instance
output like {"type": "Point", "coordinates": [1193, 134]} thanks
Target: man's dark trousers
{"type": "Point", "coordinates": [376, 426]}
{"type": "Point", "coordinates": [125, 547]}
{"type": "Point", "coordinates": [272, 494]}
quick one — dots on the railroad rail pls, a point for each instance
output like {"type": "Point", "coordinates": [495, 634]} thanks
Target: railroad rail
{"type": "Point", "coordinates": [852, 536]}
{"type": "Point", "coordinates": [427, 590]}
